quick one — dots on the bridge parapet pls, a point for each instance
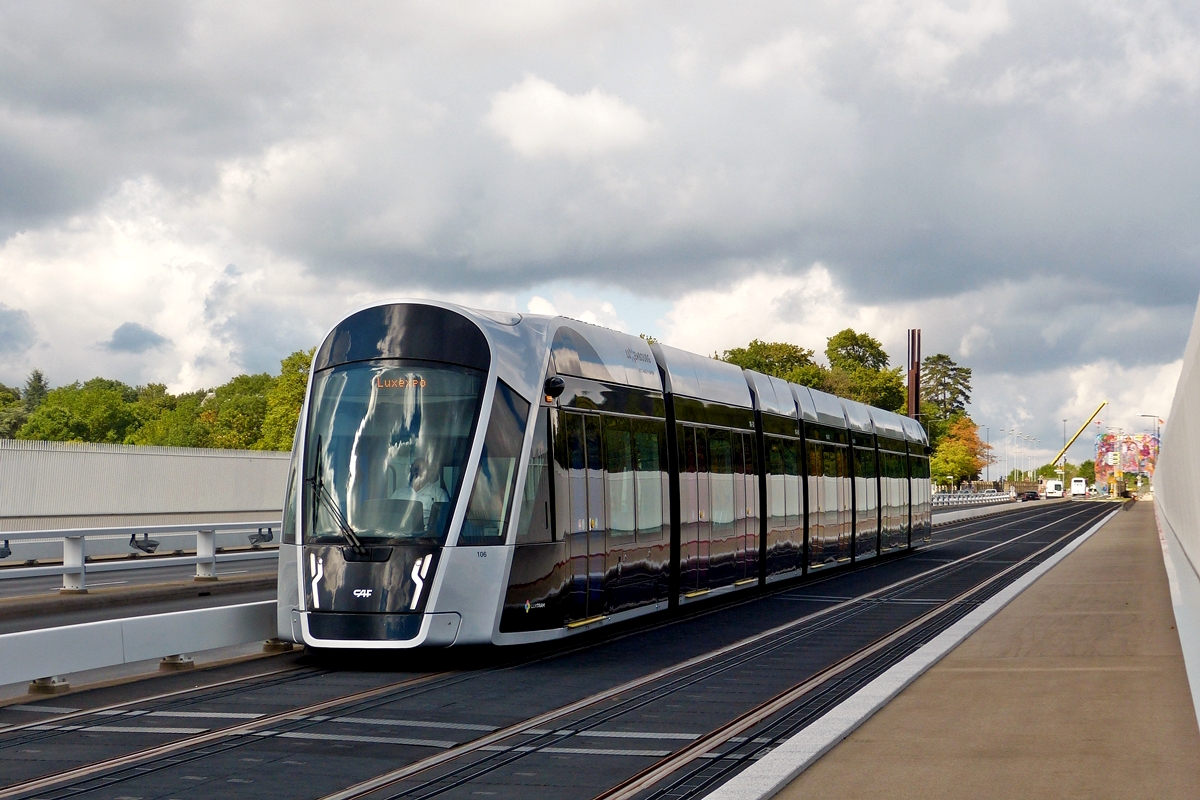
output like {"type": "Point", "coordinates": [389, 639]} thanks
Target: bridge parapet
{"type": "Point", "coordinates": [1177, 503]}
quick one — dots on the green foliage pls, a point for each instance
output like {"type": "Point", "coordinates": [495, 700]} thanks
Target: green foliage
{"type": "Point", "coordinates": [647, 338]}
{"type": "Point", "coordinates": [97, 411]}
{"type": "Point", "coordinates": [945, 385]}
{"type": "Point", "coordinates": [249, 412]}
{"type": "Point", "coordinates": [1087, 471]}
{"type": "Point", "coordinates": [780, 359]}
{"type": "Point", "coordinates": [952, 463]}
{"type": "Point", "coordinates": [36, 389]}
{"type": "Point", "coordinates": [12, 411]}
{"type": "Point", "coordinates": [284, 399]}
{"type": "Point", "coordinates": [851, 351]}
{"type": "Point", "coordinates": [961, 454]}
{"type": "Point", "coordinates": [858, 367]}
{"type": "Point", "coordinates": [234, 414]}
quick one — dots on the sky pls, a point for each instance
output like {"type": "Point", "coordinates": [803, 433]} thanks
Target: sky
{"type": "Point", "coordinates": [193, 190]}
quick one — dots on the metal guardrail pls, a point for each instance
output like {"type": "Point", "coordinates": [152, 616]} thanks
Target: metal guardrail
{"type": "Point", "coordinates": [76, 565]}
{"type": "Point", "coordinates": [953, 500]}
{"type": "Point", "coordinates": [33, 655]}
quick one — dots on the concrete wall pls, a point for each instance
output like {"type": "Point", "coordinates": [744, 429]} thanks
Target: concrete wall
{"type": "Point", "coordinates": [56, 485]}
{"type": "Point", "coordinates": [1177, 503]}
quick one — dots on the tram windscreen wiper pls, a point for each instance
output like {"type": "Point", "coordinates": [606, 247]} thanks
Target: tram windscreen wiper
{"type": "Point", "coordinates": [321, 496]}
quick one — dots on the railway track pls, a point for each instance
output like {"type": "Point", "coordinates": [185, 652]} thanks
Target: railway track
{"type": "Point", "coordinates": [909, 610]}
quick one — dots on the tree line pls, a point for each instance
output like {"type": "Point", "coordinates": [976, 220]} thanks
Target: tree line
{"type": "Point", "coordinates": [250, 412]}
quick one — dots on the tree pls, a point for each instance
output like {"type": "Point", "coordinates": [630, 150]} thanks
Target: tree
{"type": "Point", "coordinates": [36, 389]}
{"type": "Point", "coordinates": [12, 411]}
{"type": "Point", "coordinates": [858, 370]}
{"type": "Point", "coordinates": [284, 399]}
{"type": "Point", "coordinates": [945, 385]}
{"type": "Point", "coordinates": [1087, 471]}
{"type": "Point", "coordinates": [961, 455]}
{"type": "Point", "coordinates": [234, 414]}
{"type": "Point", "coordinates": [99, 410]}
{"type": "Point", "coordinates": [850, 351]}
{"type": "Point", "coordinates": [770, 358]}
{"type": "Point", "coordinates": [177, 426]}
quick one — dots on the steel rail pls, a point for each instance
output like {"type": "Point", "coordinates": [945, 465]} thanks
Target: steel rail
{"type": "Point", "coordinates": [656, 773]}
{"type": "Point", "coordinates": [392, 777]}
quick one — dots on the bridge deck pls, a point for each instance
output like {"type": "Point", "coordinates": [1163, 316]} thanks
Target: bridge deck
{"type": "Point", "coordinates": [1076, 689]}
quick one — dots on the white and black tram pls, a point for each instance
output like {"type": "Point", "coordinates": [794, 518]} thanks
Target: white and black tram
{"type": "Point", "coordinates": [473, 477]}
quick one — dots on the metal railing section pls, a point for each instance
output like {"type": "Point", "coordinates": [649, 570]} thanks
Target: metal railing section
{"type": "Point", "coordinates": [953, 500]}
{"type": "Point", "coordinates": [76, 565]}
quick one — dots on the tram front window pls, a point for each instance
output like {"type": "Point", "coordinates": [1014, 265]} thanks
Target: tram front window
{"type": "Point", "coordinates": [387, 444]}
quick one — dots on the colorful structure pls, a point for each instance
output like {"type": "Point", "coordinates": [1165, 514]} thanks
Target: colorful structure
{"type": "Point", "coordinates": [1125, 454]}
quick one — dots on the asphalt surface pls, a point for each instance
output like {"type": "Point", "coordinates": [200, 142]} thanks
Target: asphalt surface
{"type": "Point", "coordinates": [425, 705]}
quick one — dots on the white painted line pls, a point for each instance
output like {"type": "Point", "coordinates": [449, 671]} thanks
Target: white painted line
{"type": "Point", "coordinates": [204, 714]}
{"type": "Point", "coordinates": [781, 766]}
{"type": "Point", "coordinates": [639, 735]}
{"type": "Point", "coordinates": [595, 751]}
{"type": "Point", "coordinates": [413, 723]}
{"type": "Point", "coordinates": [332, 737]}
{"type": "Point", "coordinates": [134, 729]}
{"type": "Point", "coordinates": [44, 709]}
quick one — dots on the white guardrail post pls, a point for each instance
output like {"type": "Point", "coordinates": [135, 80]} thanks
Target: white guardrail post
{"type": "Point", "coordinates": [74, 566]}
{"type": "Point", "coordinates": [206, 553]}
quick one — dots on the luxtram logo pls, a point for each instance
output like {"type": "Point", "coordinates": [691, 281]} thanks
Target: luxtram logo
{"type": "Point", "coordinates": [363, 592]}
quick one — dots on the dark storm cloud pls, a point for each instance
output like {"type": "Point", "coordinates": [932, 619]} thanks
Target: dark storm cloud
{"type": "Point", "coordinates": [917, 149]}
{"type": "Point", "coordinates": [130, 337]}
{"type": "Point", "coordinates": [16, 330]}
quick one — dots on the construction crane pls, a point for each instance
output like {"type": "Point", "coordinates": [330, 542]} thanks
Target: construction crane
{"type": "Point", "coordinates": [1063, 453]}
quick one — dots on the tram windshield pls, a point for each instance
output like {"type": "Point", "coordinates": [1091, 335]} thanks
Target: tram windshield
{"type": "Point", "coordinates": [386, 448]}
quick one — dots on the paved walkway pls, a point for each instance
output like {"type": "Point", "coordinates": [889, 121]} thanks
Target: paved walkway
{"type": "Point", "coordinates": [1076, 689]}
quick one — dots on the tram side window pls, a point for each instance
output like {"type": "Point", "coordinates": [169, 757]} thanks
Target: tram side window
{"type": "Point", "coordinates": [720, 453]}
{"type": "Point", "coordinates": [650, 443]}
{"type": "Point", "coordinates": [619, 475]}
{"type": "Point", "coordinates": [777, 480]}
{"type": "Point", "coordinates": [491, 497]}
{"type": "Point", "coordinates": [535, 523]}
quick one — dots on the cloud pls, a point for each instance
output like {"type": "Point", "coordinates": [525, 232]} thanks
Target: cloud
{"type": "Point", "coordinates": [16, 330]}
{"type": "Point", "coordinates": [538, 119]}
{"type": "Point", "coordinates": [1017, 179]}
{"type": "Point", "coordinates": [130, 337]}
{"type": "Point", "coordinates": [794, 53]}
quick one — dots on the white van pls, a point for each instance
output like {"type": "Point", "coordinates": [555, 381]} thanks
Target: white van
{"type": "Point", "coordinates": [1054, 488]}
{"type": "Point", "coordinates": [1079, 487]}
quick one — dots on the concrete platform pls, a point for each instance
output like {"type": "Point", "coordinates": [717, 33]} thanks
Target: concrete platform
{"type": "Point", "coordinates": [1076, 689]}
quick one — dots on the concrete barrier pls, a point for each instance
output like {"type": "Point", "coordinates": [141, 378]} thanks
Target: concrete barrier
{"type": "Point", "coordinates": [1176, 487]}
{"type": "Point", "coordinates": [30, 655]}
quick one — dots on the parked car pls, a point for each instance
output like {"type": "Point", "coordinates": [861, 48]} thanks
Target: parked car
{"type": "Point", "coordinates": [1023, 496]}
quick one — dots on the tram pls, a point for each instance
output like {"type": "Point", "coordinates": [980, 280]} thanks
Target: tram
{"type": "Point", "coordinates": [466, 477]}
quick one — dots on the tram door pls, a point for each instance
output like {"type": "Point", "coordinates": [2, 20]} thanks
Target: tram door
{"type": "Point", "coordinates": [587, 537]}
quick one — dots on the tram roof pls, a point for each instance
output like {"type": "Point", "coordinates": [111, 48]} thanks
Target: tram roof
{"type": "Point", "coordinates": [888, 423]}
{"type": "Point", "coordinates": [826, 407]}
{"type": "Point", "coordinates": [703, 378]}
{"type": "Point", "coordinates": [773, 395]}
{"type": "Point", "coordinates": [590, 351]}
{"type": "Point", "coordinates": [858, 415]}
